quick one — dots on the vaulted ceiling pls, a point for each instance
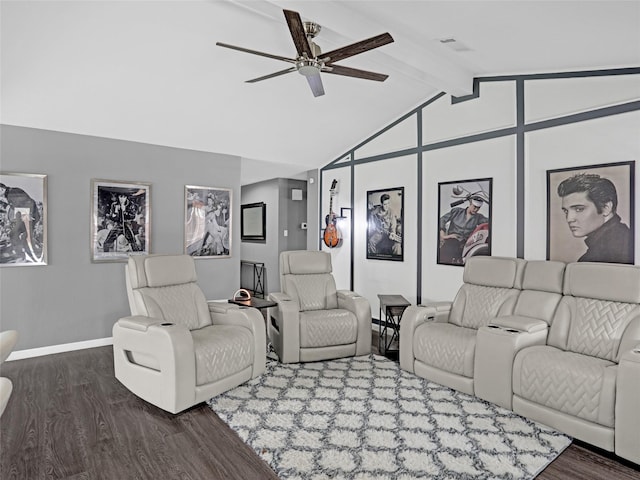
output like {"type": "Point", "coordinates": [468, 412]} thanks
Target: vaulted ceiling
{"type": "Point", "coordinates": [149, 71]}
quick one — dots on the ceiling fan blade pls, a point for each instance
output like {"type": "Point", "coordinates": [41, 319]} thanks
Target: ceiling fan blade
{"type": "Point", "coordinates": [316, 84]}
{"type": "Point", "coordinates": [255, 52]}
{"type": "Point", "coordinates": [297, 33]}
{"type": "Point", "coordinates": [354, 72]}
{"type": "Point", "coordinates": [356, 48]}
{"type": "Point", "coordinates": [271, 75]}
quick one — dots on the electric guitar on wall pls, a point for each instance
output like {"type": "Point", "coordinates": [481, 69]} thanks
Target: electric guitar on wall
{"type": "Point", "coordinates": [332, 237]}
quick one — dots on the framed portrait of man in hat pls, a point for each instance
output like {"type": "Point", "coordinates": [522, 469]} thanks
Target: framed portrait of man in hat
{"type": "Point", "coordinates": [120, 220]}
{"type": "Point", "coordinates": [464, 220]}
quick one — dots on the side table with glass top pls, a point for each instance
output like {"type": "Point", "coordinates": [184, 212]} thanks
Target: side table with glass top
{"type": "Point", "coordinates": [393, 307]}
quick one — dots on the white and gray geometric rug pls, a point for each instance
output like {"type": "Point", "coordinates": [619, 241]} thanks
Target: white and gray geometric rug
{"type": "Point", "coordinates": [365, 418]}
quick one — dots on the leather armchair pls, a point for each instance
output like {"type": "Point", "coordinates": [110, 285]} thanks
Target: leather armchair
{"type": "Point", "coordinates": [438, 341]}
{"type": "Point", "coordinates": [8, 340]}
{"type": "Point", "coordinates": [176, 349]}
{"type": "Point", "coordinates": [313, 321]}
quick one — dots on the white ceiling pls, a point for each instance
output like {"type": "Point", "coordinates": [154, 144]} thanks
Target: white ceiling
{"type": "Point", "coordinates": [149, 71]}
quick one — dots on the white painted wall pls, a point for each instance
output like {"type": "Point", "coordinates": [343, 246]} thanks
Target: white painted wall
{"type": "Point", "coordinates": [373, 277]}
{"type": "Point", "coordinates": [341, 255]}
{"type": "Point", "coordinates": [603, 140]}
{"type": "Point", "coordinates": [494, 109]}
{"type": "Point", "coordinates": [493, 158]}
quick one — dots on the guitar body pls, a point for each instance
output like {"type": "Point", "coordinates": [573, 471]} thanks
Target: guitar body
{"type": "Point", "coordinates": [331, 234]}
{"type": "Point", "coordinates": [332, 237]}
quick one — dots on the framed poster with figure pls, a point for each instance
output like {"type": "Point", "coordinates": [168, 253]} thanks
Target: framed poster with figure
{"type": "Point", "coordinates": [23, 219]}
{"type": "Point", "coordinates": [385, 220]}
{"type": "Point", "coordinates": [207, 224]}
{"type": "Point", "coordinates": [464, 220]}
{"type": "Point", "coordinates": [120, 220]}
{"type": "Point", "coordinates": [591, 212]}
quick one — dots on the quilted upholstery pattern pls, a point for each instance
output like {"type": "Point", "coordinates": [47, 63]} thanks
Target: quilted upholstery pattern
{"type": "Point", "coordinates": [481, 305]}
{"type": "Point", "coordinates": [221, 350]}
{"type": "Point", "coordinates": [446, 347]}
{"type": "Point", "coordinates": [312, 290]}
{"type": "Point", "coordinates": [598, 325]}
{"type": "Point", "coordinates": [569, 382]}
{"type": "Point", "coordinates": [323, 328]}
{"type": "Point", "coordinates": [180, 304]}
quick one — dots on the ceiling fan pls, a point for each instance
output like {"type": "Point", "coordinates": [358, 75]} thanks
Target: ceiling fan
{"type": "Point", "coordinates": [310, 61]}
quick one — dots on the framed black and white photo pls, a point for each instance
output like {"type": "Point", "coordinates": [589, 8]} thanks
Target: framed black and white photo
{"type": "Point", "coordinates": [120, 220]}
{"type": "Point", "coordinates": [253, 222]}
{"type": "Point", "coordinates": [590, 213]}
{"type": "Point", "coordinates": [464, 220]}
{"type": "Point", "coordinates": [23, 219]}
{"type": "Point", "coordinates": [207, 225]}
{"type": "Point", "coordinates": [385, 220]}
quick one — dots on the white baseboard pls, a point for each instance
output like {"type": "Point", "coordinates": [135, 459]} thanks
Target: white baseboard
{"type": "Point", "coordinates": [65, 347]}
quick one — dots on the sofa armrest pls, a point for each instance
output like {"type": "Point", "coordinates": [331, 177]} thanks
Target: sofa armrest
{"type": "Point", "coordinates": [155, 359]}
{"type": "Point", "coordinates": [247, 317]}
{"type": "Point", "coordinates": [287, 317]}
{"type": "Point", "coordinates": [441, 309]}
{"type": "Point", "coordinates": [496, 347]}
{"type": "Point", "coordinates": [361, 308]}
{"type": "Point", "coordinates": [627, 433]}
{"type": "Point", "coordinates": [412, 317]}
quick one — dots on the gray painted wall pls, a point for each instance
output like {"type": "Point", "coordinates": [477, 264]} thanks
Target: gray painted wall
{"type": "Point", "coordinates": [71, 299]}
{"type": "Point", "coordinates": [266, 252]}
{"type": "Point", "coordinates": [283, 213]}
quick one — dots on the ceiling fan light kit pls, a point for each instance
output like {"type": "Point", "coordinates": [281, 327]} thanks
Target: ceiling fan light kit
{"type": "Point", "coordinates": [310, 61]}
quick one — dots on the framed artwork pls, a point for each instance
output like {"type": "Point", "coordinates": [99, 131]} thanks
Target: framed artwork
{"type": "Point", "coordinates": [120, 220]}
{"type": "Point", "coordinates": [464, 220]}
{"type": "Point", "coordinates": [23, 219]}
{"type": "Point", "coordinates": [591, 212]}
{"type": "Point", "coordinates": [385, 220]}
{"type": "Point", "coordinates": [253, 222]}
{"type": "Point", "coordinates": [207, 222]}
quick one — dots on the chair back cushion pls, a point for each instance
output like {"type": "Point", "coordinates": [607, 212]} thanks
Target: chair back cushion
{"type": "Point", "coordinates": [306, 277]}
{"type": "Point", "coordinates": [541, 289]}
{"type": "Point", "coordinates": [164, 287]}
{"type": "Point", "coordinates": [600, 301]}
{"type": "Point", "coordinates": [491, 288]}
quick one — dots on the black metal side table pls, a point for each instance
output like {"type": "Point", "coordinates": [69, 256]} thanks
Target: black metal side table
{"type": "Point", "coordinates": [258, 278]}
{"type": "Point", "coordinates": [393, 307]}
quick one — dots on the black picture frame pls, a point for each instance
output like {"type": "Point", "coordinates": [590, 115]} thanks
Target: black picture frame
{"type": "Point", "coordinates": [253, 222]}
{"type": "Point", "coordinates": [573, 219]}
{"type": "Point", "coordinates": [385, 239]}
{"type": "Point", "coordinates": [458, 239]}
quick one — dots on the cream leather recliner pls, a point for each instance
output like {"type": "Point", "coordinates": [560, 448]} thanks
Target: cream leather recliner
{"type": "Point", "coordinates": [586, 380]}
{"type": "Point", "coordinates": [313, 321]}
{"type": "Point", "coordinates": [8, 340]}
{"type": "Point", "coordinates": [177, 349]}
{"type": "Point", "coordinates": [438, 341]}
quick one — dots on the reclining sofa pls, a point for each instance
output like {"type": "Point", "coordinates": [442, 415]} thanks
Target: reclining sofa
{"type": "Point", "coordinates": [557, 343]}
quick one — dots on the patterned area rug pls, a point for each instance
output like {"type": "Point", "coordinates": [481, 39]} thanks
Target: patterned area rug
{"type": "Point", "coordinates": [364, 418]}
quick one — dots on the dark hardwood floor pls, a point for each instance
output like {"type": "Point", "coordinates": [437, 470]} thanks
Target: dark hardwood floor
{"type": "Point", "coordinates": [69, 418]}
